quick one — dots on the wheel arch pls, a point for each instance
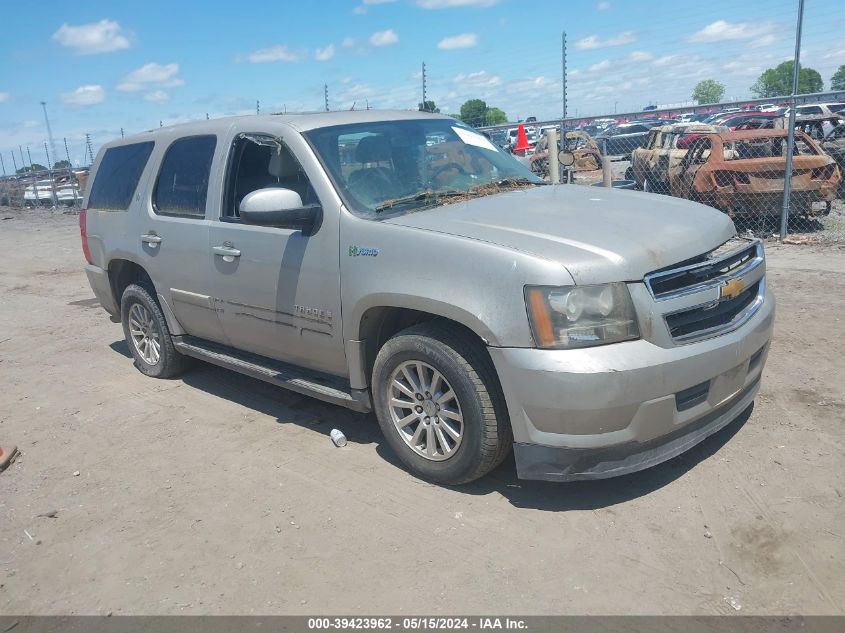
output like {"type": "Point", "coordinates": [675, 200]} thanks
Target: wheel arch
{"type": "Point", "coordinates": [378, 322]}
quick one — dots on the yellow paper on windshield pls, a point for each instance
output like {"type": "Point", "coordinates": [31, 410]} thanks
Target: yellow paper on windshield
{"type": "Point", "coordinates": [473, 138]}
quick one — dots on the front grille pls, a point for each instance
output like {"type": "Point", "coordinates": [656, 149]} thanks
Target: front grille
{"type": "Point", "coordinates": [718, 315]}
{"type": "Point", "coordinates": [691, 274]}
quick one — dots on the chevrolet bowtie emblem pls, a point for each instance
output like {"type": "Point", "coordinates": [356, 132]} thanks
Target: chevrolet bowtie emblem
{"type": "Point", "coordinates": [731, 289]}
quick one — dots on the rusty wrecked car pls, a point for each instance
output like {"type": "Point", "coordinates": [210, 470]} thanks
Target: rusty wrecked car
{"type": "Point", "coordinates": [742, 173]}
{"type": "Point", "coordinates": [582, 146]}
{"type": "Point", "coordinates": [664, 148]}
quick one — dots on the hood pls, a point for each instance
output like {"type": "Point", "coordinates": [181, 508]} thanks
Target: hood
{"type": "Point", "coordinates": [600, 235]}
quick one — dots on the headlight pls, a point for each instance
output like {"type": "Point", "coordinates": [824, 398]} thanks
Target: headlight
{"type": "Point", "coordinates": [581, 316]}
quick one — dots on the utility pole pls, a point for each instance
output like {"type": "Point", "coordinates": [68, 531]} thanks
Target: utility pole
{"type": "Point", "coordinates": [74, 186]}
{"type": "Point", "coordinates": [563, 75]}
{"type": "Point", "coordinates": [47, 153]}
{"type": "Point", "coordinates": [30, 157]}
{"type": "Point", "coordinates": [14, 162]}
{"type": "Point", "coordinates": [257, 107]}
{"type": "Point", "coordinates": [121, 133]}
{"type": "Point", "coordinates": [49, 134]}
{"type": "Point", "coordinates": [2, 164]}
{"type": "Point", "coordinates": [326, 95]}
{"type": "Point", "coordinates": [424, 107]}
{"type": "Point", "coordinates": [88, 147]}
{"type": "Point", "coordinates": [23, 162]}
{"type": "Point", "coordinates": [790, 139]}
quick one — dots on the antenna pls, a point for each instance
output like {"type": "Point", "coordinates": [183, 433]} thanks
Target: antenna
{"type": "Point", "coordinates": [2, 164]}
{"type": "Point", "coordinates": [49, 135]}
{"type": "Point", "coordinates": [30, 157]}
{"type": "Point", "coordinates": [14, 162]}
{"type": "Point", "coordinates": [23, 162]}
{"type": "Point", "coordinates": [121, 132]}
{"type": "Point", "coordinates": [47, 152]}
{"type": "Point", "coordinates": [326, 96]}
{"type": "Point", "coordinates": [67, 153]}
{"type": "Point", "coordinates": [257, 108]}
{"type": "Point", "coordinates": [423, 107]}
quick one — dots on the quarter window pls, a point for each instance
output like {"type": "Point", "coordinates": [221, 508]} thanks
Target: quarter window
{"type": "Point", "coordinates": [118, 176]}
{"type": "Point", "coordinates": [182, 185]}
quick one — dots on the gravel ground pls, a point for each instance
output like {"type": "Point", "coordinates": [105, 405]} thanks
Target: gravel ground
{"type": "Point", "coordinates": [218, 494]}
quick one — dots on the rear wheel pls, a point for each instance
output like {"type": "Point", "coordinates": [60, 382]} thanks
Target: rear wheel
{"type": "Point", "coordinates": [439, 404]}
{"type": "Point", "coordinates": [147, 334]}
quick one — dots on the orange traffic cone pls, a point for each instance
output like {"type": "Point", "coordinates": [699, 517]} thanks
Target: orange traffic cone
{"type": "Point", "coordinates": [7, 456]}
{"type": "Point", "coordinates": [521, 141]}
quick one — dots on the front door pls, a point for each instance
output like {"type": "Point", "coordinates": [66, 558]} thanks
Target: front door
{"type": "Point", "coordinates": [277, 290]}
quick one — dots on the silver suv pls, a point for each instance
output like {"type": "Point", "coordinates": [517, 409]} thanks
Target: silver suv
{"type": "Point", "coordinates": [399, 262]}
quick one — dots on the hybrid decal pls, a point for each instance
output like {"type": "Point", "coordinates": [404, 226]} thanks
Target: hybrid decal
{"type": "Point", "coordinates": [361, 251]}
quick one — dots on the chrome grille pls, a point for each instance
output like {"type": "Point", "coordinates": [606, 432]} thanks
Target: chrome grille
{"type": "Point", "coordinates": [711, 294]}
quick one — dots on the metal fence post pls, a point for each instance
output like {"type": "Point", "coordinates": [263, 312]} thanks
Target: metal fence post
{"type": "Point", "coordinates": [790, 139]}
{"type": "Point", "coordinates": [554, 164]}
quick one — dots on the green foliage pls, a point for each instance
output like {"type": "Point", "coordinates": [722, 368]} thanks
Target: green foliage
{"type": "Point", "coordinates": [476, 113]}
{"type": "Point", "coordinates": [708, 91]}
{"type": "Point", "coordinates": [837, 82]}
{"type": "Point", "coordinates": [495, 116]}
{"type": "Point", "coordinates": [428, 106]}
{"type": "Point", "coordinates": [776, 82]}
{"type": "Point", "coordinates": [35, 167]}
{"type": "Point", "coordinates": [62, 164]}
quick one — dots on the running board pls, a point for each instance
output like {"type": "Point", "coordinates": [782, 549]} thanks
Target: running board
{"type": "Point", "coordinates": [321, 386]}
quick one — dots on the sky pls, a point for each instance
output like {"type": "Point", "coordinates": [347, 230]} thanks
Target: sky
{"type": "Point", "coordinates": [102, 66]}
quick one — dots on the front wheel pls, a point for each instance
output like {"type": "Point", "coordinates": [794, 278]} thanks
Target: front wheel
{"type": "Point", "coordinates": [439, 404]}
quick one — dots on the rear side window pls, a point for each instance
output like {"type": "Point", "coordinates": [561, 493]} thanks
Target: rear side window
{"type": "Point", "coordinates": [118, 176]}
{"type": "Point", "coordinates": [182, 185]}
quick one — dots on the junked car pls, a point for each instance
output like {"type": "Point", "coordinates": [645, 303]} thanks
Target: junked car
{"type": "Point", "coordinates": [400, 263]}
{"type": "Point", "coordinates": [742, 173]}
{"type": "Point", "coordinates": [834, 146]}
{"type": "Point", "coordinates": [664, 148]}
{"type": "Point", "coordinates": [585, 154]}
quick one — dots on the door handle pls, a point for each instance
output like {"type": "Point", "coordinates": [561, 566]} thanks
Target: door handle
{"type": "Point", "coordinates": [226, 251]}
{"type": "Point", "coordinates": [152, 239]}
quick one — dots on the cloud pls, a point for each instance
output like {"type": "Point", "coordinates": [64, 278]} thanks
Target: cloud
{"type": "Point", "coordinates": [384, 38]}
{"type": "Point", "coordinates": [104, 36]}
{"type": "Point", "coordinates": [639, 56]}
{"type": "Point", "coordinates": [464, 40]}
{"type": "Point", "coordinates": [602, 65]}
{"type": "Point", "coordinates": [324, 54]}
{"type": "Point", "coordinates": [665, 60]}
{"type": "Point", "coordinates": [278, 53]}
{"type": "Point", "coordinates": [85, 95]}
{"type": "Point", "coordinates": [450, 4]}
{"type": "Point", "coordinates": [603, 6]}
{"type": "Point", "coordinates": [721, 31]}
{"type": "Point", "coordinates": [151, 75]}
{"type": "Point", "coordinates": [348, 42]}
{"type": "Point", "coordinates": [594, 41]}
{"type": "Point", "coordinates": [362, 8]}
{"type": "Point", "coordinates": [480, 79]}
{"type": "Point", "coordinates": [159, 96]}
{"type": "Point", "coordinates": [4, 96]}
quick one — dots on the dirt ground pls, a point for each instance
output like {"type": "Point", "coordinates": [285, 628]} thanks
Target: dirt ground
{"type": "Point", "coordinates": [218, 494]}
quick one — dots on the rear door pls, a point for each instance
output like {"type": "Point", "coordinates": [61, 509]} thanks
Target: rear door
{"type": "Point", "coordinates": [172, 232]}
{"type": "Point", "coordinates": [278, 291]}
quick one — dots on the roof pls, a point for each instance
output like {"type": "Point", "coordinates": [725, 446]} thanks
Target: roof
{"type": "Point", "coordinates": [750, 135]}
{"type": "Point", "coordinates": [307, 121]}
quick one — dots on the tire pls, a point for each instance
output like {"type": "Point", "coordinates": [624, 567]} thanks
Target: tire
{"type": "Point", "coordinates": [467, 371]}
{"type": "Point", "coordinates": [137, 306]}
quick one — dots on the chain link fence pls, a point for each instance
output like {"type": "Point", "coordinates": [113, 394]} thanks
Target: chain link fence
{"type": "Point", "coordinates": [731, 158]}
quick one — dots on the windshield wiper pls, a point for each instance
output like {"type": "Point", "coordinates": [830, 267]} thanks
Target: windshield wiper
{"type": "Point", "coordinates": [432, 196]}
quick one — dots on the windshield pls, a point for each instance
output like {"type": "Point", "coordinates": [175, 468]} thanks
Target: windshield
{"type": "Point", "coordinates": [388, 167]}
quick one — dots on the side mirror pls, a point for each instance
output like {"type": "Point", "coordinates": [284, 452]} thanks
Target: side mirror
{"type": "Point", "coordinates": [279, 208]}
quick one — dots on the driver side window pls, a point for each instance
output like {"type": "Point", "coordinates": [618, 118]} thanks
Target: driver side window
{"type": "Point", "coordinates": [260, 161]}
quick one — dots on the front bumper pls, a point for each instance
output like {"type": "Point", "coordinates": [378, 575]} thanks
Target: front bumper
{"type": "Point", "coordinates": [606, 411]}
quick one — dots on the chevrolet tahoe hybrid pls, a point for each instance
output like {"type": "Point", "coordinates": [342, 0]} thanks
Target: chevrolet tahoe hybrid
{"type": "Point", "coordinates": [400, 263]}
